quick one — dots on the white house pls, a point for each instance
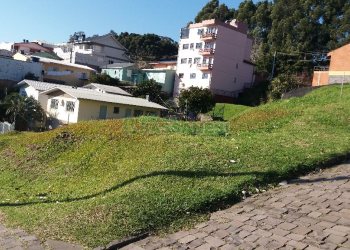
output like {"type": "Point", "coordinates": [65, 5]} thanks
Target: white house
{"type": "Point", "coordinates": [215, 55]}
{"type": "Point", "coordinates": [93, 51]}
{"type": "Point", "coordinates": [71, 105]}
{"type": "Point", "coordinates": [92, 102]}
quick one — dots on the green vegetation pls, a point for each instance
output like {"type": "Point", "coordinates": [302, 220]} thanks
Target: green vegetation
{"type": "Point", "coordinates": [94, 182]}
{"type": "Point", "coordinates": [229, 110]}
{"type": "Point", "coordinates": [196, 100]}
{"type": "Point", "coordinates": [152, 89]}
{"type": "Point", "coordinates": [148, 47]}
{"type": "Point", "coordinates": [104, 79]}
{"type": "Point", "coordinates": [289, 26]}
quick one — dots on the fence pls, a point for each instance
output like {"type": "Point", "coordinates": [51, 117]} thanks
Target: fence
{"type": "Point", "coordinates": [6, 127]}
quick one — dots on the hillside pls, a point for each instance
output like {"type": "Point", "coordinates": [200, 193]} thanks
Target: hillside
{"type": "Point", "coordinates": [94, 182]}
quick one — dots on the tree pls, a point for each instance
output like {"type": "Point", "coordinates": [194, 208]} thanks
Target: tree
{"type": "Point", "coordinates": [148, 47]}
{"type": "Point", "coordinates": [282, 84]}
{"type": "Point", "coordinates": [152, 89]}
{"type": "Point", "coordinates": [214, 10]}
{"type": "Point", "coordinates": [104, 79]}
{"type": "Point", "coordinates": [24, 111]}
{"type": "Point", "coordinates": [196, 100]}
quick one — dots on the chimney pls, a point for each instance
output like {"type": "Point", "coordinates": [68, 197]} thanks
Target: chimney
{"type": "Point", "coordinates": [147, 97]}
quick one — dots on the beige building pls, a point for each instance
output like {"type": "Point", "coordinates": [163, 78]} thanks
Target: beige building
{"type": "Point", "coordinates": [64, 73]}
{"type": "Point", "coordinates": [68, 104]}
{"type": "Point", "coordinates": [71, 105]}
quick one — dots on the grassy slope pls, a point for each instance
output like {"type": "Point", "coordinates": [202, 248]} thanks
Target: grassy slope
{"type": "Point", "coordinates": [230, 110]}
{"type": "Point", "coordinates": [115, 178]}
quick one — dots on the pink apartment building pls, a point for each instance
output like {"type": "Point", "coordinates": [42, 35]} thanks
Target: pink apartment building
{"type": "Point", "coordinates": [215, 55]}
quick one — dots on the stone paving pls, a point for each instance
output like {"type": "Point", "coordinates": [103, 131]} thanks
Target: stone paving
{"type": "Point", "coordinates": [17, 239]}
{"type": "Point", "coordinates": [312, 212]}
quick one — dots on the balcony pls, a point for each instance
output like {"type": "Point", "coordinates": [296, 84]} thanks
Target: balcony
{"type": "Point", "coordinates": [205, 66]}
{"type": "Point", "coordinates": [207, 51]}
{"type": "Point", "coordinates": [208, 36]}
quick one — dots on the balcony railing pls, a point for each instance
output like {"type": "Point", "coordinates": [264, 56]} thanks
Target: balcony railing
{"type": "Point", "coordinates": [208, 36]}
{"type": "Point", "coordinates": [207, 51]}
{"type": "Point", "coordinates": [205, 66]}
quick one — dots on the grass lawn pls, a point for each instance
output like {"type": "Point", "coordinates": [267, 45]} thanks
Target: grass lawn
{"type": "Point", "coordinates": [95, 182]}
{"type": "Point", "coordinates": [230, 110]}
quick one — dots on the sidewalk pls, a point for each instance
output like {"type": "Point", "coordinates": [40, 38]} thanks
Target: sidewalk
{"type": "Point", "coordinates": [312, 212]}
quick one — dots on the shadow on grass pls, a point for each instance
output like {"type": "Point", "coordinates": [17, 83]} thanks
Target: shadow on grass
{"type": "Point", "coordinates": [261, 178]}
{"type": "Point", "coordinates": [184, 174]}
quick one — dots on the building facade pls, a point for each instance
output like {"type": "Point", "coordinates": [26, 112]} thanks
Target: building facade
{"type": "Point", "coordinates": [94, 52]}
{"type": "Point", "coordinates": [338, 70]}
{"type": "Point", "coordinates": [63, 72]}
{"type": "Point", "coordinates": [215, 55]}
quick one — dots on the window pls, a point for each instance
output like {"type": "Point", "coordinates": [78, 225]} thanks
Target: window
{"type": "Point", "coordinates": [236, 65]}
{"type": "Point", "coordinates": [185, 46]}
{"type": "Point", "coordinates": [193, 76]}
{"type": "Point", "coordinates": [189, 60]}
{"type": "Point", "coordinates": [181, 75]}
{"type": "Point", "coordinates": [205, 76]}
{"type": "Point", "coordinates": [70, 106]}
{"type": "Point", "coordinates": [200, 31]}
{"type": "Point", "coordinates": [191, 45]}
{"type": "Point", "coordinates": [196, 60]}
{"type": "Point", "coordinates": [116, 110]}
{"type": "Point", "coordinates": [54, 104]}
{"type": "Point", "coordinates": [198, 45]}
{"type": "Point", "coordinates": [138, 112]}
{"type": "Point", "coordinates": [183, 60]}
{"type": "Point", "coordinates": [110, 62]}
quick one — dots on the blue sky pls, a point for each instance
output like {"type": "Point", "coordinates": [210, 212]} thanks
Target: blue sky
{"type": "Point", "coordinates": [54, 21]}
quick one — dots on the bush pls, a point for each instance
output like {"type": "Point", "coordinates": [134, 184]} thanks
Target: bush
{"type": "Point", "coordinates": [196, 100]}
{"type": "Point", "coordinates": [282, 84]}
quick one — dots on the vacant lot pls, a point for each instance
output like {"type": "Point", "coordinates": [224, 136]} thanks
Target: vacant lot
{"type": "Point", "coordinates": [94, 182]}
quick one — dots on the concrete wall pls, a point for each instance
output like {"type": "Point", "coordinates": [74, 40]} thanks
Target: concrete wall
{"type": "Point", "coordinates": [14, 70]}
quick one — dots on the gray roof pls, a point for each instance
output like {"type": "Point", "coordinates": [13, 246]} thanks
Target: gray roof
{"type": "Point", "coordinates": [118, 65]}
{"type": "Point", "coordinates": [41, 86]}
{"type": "Point", "coordinates": [88, 94]}
{"type": "Point", "coordinates": [108, 89]}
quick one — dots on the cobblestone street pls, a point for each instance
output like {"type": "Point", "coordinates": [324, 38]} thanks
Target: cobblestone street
{"type": "Point", "coordinates": [312, 212]}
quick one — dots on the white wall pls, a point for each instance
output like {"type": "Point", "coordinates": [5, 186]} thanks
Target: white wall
{"type": "Point", "coordinates": [14, 70]}
{"type": "Point", "coordinates": [61, 114]}
{"type": "Point", "coordinates": [188, 68]}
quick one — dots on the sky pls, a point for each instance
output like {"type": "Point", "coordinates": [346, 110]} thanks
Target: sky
{"type": "Point", "coordinates": [54, 20]}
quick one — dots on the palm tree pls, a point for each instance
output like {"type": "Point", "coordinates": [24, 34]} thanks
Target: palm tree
{"type": "Point", "coordinates": [26, 108]}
